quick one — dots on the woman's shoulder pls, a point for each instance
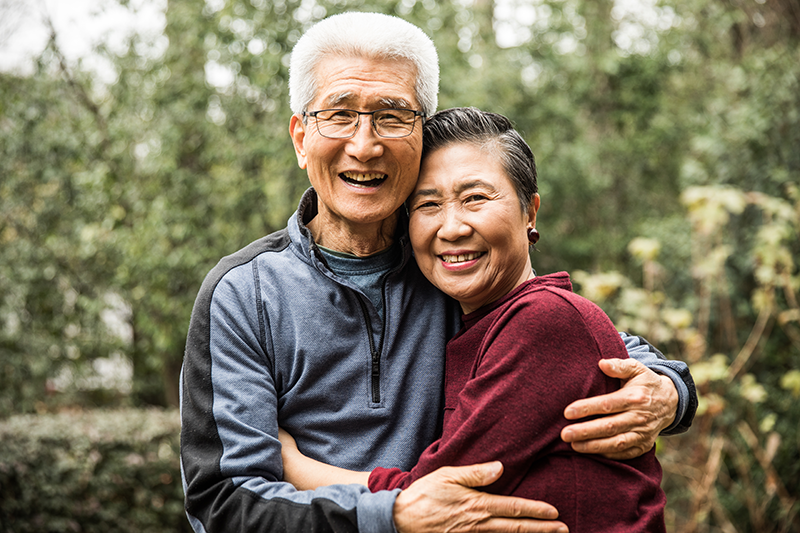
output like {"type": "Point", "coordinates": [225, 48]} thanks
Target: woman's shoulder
{"type": "Point", "coordinates": [550, 299]}
{"type": "Point", "coordinates": [555, 289]}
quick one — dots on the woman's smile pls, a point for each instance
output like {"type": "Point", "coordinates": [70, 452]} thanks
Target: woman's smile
{"type": "Point", "coordinates": [460, 260]}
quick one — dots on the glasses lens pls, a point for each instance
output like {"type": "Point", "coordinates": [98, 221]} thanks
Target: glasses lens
{"type": "Point", "coordinates": [337, 123]}
{"type": "Point", "coordinates": [342, 123]}
{"type": "Point", "coordinates": [394, 122]}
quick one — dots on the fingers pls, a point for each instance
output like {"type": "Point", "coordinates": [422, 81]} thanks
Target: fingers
{"type": "Point", "coordinates": [613, 434]}
{"type": "Point", "coordinates": [479, 475]}
{"type": "Point", "coordinates": [614, 402]}
{"type": "Point", "coordinates": [622, 446]}
{"type": "Point", "coordinates": [600, 428]}
{"type": "Point", "coordinates": [630, 418]}
{"type": "Point", "coordinates": [638, 391]}
{"type": "Point", "coordinates": [445, 501]}
{"type": "Point", "coordinates": [503, 525]}
{"type": "Point", "coordinates": [484, 474]}
{"type": "Point", "coordinates": [512, 507]}
{"type": "Point", "coordinates": [622, 368]}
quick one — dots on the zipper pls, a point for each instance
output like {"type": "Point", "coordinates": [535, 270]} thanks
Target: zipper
{"type": "Point", "coordinates": [375, 371]}
{"type": "Point", "coordinates": [375, 354]}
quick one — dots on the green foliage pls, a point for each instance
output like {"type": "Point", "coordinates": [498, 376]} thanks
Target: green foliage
{"type": "Point", "coordinates": [668, 155]}
{"type": "Point", "coordinates": [102, 471]}
{"type": "Point", "coordinates": [742, 472]}
{"type": "Point", "coordinates": [56, 237]}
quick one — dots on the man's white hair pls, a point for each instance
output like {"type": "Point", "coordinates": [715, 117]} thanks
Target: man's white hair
{"type": "Point", "coordinates": [365, 35]}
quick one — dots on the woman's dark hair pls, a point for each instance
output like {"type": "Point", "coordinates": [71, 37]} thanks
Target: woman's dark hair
{"type": "Point", "coordinates": [486, 130]}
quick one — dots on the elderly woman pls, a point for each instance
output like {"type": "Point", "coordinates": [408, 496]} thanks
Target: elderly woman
{"type": "Point", "coordinates": [472, 220]}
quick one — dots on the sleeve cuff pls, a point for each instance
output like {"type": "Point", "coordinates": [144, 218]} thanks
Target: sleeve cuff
{"type": "Point", "coordinates": [683, 397]}
{"type": "Point", "coordinates": [376, 511]}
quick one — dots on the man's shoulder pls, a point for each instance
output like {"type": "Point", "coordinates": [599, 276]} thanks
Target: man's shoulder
{"type": "Point", "coordinates": [272, 243]}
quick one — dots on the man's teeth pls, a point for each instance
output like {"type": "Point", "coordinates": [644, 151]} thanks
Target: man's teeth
{"type": "Point", "coordinates": [460, 258]}
{"type": "Point", "coordinates": [353, 176]}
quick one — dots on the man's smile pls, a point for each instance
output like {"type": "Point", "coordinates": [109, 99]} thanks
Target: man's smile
{"type": "Point", "coordinates": [359, 179]}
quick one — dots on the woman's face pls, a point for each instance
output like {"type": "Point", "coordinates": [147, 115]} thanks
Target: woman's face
{"type": "Point", "coordinates": [466, 226]}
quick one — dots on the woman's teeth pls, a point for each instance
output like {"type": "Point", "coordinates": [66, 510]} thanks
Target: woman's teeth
{"type": "Point", "coordinates": [460, 258]}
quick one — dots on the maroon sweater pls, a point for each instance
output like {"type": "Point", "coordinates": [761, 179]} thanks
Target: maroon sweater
{"type": "Point", "coordinates": [510, 372]}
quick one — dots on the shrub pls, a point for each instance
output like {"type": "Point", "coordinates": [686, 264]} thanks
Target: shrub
{"type": "Point", "coordinates": [91, 471]}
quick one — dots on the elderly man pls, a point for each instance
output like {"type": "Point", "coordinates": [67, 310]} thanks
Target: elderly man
{"type": "Point", "coordinates": [328, 329]}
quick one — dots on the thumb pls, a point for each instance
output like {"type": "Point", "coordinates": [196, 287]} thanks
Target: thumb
{"type": "Point", "coordinates": [478, 475]}
{"type": "Point", "coordinates": [621, 368]}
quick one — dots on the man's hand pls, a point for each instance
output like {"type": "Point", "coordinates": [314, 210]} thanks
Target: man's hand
{"type": "Point", "coordinates": [635, 414]}
{"type": "Point", "coordinates": [444, 501]}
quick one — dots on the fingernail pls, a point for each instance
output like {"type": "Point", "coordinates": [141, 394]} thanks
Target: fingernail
{"type": "Point", "coordinates": [563, 529]}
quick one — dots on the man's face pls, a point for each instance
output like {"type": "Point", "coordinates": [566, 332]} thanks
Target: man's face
{"type": "Point", "coordinates": [362, 180]}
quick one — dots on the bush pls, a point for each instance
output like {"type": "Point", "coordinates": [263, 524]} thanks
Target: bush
{"type": "Point", "coordinates": [91, 471]}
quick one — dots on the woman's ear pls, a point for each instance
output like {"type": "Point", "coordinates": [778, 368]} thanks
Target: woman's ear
{"type": "Point", "coordinates": [297, 130]}
{"type": "Point", "coordinates": [533, 207]}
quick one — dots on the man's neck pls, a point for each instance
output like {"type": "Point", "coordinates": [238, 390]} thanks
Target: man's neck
{"type": "Point", "coordinates": [361, 240]}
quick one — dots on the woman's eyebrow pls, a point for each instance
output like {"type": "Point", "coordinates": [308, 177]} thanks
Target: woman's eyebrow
{"type": "Point", "coordinates": [474, 184]}
{"type": "Point", "coordinates": [425, 192]}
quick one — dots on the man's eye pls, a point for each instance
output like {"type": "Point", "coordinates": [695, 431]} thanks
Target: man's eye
{"type": "Point", "coordinates": [395, 116]}
{"type": "Point", "coordinates": [341, 115]}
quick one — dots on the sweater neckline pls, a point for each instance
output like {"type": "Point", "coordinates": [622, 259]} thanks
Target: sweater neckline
{"type": "Point", "coordinates": [557, 280]}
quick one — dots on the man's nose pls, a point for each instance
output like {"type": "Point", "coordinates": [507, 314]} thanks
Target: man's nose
{"type": "Point", "coordinates": [365, 144]}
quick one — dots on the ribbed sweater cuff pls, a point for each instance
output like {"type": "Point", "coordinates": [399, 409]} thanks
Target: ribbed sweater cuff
{"type": "Point", "coordinates": [376, 511]}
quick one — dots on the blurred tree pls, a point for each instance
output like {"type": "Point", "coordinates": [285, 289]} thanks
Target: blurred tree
{"type": "Point", "coordinates": [57, 246]}
{"type": "Point", "coordinates": [212, 166]}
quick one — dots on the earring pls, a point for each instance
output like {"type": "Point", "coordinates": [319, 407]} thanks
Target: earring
{"type": "Point", "coordinates": [533, 236]}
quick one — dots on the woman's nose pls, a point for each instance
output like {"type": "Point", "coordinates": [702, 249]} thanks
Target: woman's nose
{"type": "Point", "coordinates": [453, 226]}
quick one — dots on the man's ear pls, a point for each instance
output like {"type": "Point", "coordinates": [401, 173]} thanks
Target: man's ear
{"type": "Point", "coordinates": [297, 130]}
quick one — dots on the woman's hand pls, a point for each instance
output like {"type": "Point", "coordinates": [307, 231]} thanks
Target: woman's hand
{"type": "Point", "coordinates": [632, 417]}
{"type": "Point", "coordinates": [306, 473]}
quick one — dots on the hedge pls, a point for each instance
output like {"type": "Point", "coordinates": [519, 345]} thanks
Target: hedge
{"type": "Point", "coordinates": [91, 471]}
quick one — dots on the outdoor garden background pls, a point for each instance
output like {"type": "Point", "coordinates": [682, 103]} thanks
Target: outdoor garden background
{"type": "Point", "coordinates": [667, 133]}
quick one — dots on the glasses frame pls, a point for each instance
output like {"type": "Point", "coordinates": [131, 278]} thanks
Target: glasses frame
{"type": "Point", "coordinates": [314, 114]}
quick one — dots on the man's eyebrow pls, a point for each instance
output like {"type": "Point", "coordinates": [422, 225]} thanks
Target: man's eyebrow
{"type": "Point", "coordinates": [347, 99]}
{"type": "Point", "coordinates": [338, 99]}
{"type": "Point", "coordinates": [396, 103]}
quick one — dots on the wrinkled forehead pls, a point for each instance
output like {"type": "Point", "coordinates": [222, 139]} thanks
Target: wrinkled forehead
{"type": "Point", "coordinates": [378, 82]}
{"type": "Point", "coordinates": [348, 99]}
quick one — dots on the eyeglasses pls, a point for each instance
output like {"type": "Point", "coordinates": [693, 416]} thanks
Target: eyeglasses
{"type": "Point", "coordinates": [343, 123]}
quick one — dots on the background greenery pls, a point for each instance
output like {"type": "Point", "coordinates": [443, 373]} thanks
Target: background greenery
{"type": "Point", "coordinates": [668, 141]}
